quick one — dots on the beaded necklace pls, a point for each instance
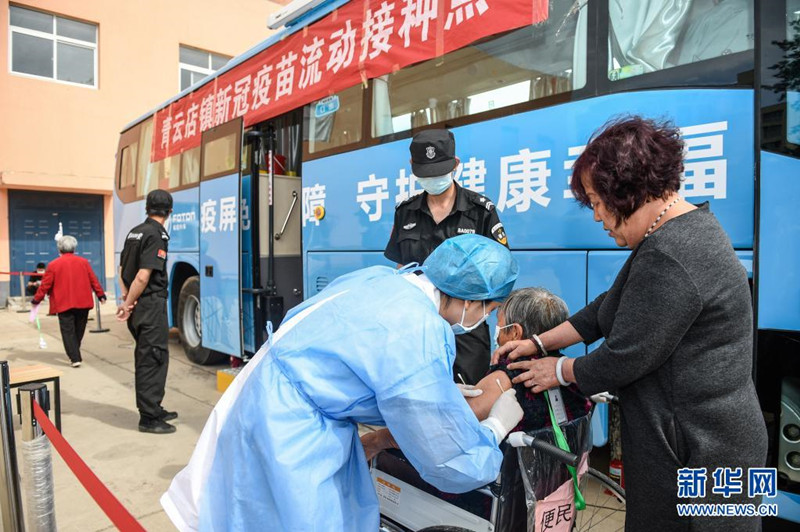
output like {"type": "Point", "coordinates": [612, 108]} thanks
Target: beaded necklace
{"type": "Point", "coordinates": [653, 225]}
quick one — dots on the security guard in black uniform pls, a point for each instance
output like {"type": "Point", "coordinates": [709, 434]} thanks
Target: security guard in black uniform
{"type": "Point", "coordinates": [444, 210]}
{"type": "Point", "coordinates": [143, 278]}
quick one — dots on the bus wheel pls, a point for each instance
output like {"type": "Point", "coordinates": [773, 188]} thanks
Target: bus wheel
{"type": "Point", "coordinates": [190, 325]}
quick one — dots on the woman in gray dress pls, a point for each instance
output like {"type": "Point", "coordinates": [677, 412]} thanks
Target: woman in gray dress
{"type": "Point", "coordinates": [677, 326]}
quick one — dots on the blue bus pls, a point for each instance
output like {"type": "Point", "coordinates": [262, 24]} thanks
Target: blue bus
{"type": "Point", "coordinates": [295, 183]}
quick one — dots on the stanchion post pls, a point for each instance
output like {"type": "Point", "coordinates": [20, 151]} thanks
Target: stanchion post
{"type": "Point", "coordinates": [22, 294]}
{"type": "Point", "coordinates": [10, 499]}
{"type": "Point", "coordinates": [99, 328]}
{"type": "Point", "coordinates": [29, 393]}
{"type": "Point", "coordinates": [37, 462]}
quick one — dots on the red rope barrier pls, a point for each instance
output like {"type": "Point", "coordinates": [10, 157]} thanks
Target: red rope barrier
{"type": "Point", "coordinates": [121, 518]}
{"type": "Point", "coordinates": [21, 273]}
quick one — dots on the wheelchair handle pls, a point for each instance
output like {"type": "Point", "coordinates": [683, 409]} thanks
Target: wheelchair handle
{"type": "Point", "coordinates": [521, 439]}
{"type": "Point", "coordinates": [605, 397]}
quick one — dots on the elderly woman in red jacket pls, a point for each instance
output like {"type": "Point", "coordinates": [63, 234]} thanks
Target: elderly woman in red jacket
{"type": "Point", "coordinates": [69, 280]}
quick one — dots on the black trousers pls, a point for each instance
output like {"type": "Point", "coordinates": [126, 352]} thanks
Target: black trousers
{"type": "Point", "coordinates": [149, 327]}
{"type": "Point", "coordinates": [73, 324]}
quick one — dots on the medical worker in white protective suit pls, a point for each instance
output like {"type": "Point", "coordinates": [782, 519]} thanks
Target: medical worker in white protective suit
{"type": "Point", "coordinates": [281, 450]}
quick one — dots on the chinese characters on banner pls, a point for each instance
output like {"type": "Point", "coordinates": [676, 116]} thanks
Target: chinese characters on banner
{"type": "Point", "coordinates": [359, 41]}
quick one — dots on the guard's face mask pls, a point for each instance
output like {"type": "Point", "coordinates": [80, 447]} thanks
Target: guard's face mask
{"type": "Point", "coordinates": [435, 185]}
{"type": "Point", "coordinates": [460, 328]}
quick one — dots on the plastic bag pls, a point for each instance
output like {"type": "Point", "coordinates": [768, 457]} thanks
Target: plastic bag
{"type": "Point", "coordinates": [37, 479]}
{"type": "Point", "coordinates": [34, 312]}
{"type": "Point", "coordinates": [548, 484]}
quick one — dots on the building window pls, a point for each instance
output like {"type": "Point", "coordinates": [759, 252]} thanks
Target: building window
{"type": "Point", "coordinates": [196, 64]}
{"type": "Point", "coordinates": [54, 47]}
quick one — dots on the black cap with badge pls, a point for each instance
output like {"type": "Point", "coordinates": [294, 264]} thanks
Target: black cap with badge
{"type": "Point", "coordinates": [158, 200]}
{"type": "Point", "coordinates": [433, 153]}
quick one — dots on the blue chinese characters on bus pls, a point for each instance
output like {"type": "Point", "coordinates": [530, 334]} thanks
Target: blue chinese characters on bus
{"type": "Point", "coordinates": [523, 164]}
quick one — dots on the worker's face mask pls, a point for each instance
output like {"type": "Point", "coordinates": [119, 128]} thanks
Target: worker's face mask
{"type": "Point", "coordinates": [460, 328]}
{"type": "Point", "coordinates": [435, 185]}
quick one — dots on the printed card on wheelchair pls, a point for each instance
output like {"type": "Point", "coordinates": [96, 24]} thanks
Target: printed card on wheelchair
{"type": "Point", "coordinates": [412, 503]}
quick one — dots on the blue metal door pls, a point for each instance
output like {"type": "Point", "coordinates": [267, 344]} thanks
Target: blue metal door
{"type": "Point", "coordinates": [220, 238]}
{"type": "Point", "coordinates": [35, 219]}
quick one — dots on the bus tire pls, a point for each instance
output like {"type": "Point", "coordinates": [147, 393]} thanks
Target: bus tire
{"type": "Point", "coordinates": [190, 325]}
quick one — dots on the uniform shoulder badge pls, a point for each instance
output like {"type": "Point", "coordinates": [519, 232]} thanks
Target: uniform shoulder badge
{"type": "Point", "coordinates": [410, 226]}
{"type": "Point", "coordinates": [499, 233]}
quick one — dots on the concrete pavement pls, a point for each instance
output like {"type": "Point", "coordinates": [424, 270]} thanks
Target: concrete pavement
{"type": "Point", "coordinates": [99, 417]}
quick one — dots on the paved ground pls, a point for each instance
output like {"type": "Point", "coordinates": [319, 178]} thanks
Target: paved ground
{"type": "Point", "coordinates": [99, 418]}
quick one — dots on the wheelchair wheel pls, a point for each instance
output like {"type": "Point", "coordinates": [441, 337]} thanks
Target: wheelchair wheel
{"type": "Point", "coordinates": [605, 504]}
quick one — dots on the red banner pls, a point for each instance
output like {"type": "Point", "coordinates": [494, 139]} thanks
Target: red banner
{"type": "Point", "coordinates": [361, 40]}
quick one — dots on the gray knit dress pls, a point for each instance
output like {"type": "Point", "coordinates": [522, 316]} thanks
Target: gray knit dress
{"type": "Point", "coordinates": [678, 350]}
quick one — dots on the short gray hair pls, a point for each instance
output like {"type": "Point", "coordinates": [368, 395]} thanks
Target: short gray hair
{"type": "Point", "coordinates": [67, 244]}
{"type": "Point", "coordinates": [536, 309]}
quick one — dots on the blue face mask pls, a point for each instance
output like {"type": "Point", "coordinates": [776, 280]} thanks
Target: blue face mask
{"type": "Point", "coordinates": [435, 185]}
{"type": "Point", "coordinates": [460, 328]}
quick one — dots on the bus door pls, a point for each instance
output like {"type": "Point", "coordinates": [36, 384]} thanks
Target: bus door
{"type": "Point", "coordinates": [271, 226]}
{"type": "Point", "coordinates": [220, 238]}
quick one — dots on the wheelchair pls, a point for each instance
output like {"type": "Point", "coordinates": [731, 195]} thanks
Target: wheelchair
{"type": "Point", "coordinates": [532, 469]}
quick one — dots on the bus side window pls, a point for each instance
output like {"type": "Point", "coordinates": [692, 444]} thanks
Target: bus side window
{"type": "Point", "coordinates": [147, 173]}
{"type": "Point", "coordinates": [333, 121]}
{"type": "Point", "coordinates": [170, 172]}
{"type": "Point", "coordinates": [221, 156]}
{"type": "Point", "coordinates": [650, 35]}
{"type": "Point", "coordinates": [127, 176]}
{"type": "Point", "coordinates": [790, 77]}
{"type": "Point", "coordinates": [519, 66]}
{"type": "Point", "coordinates": [780, 79]}
{"type": "Point", "coordinates": [190, 166]}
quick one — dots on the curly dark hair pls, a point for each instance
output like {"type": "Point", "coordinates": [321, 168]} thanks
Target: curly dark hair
{"type": "Point", "coordinates": [630, 161]}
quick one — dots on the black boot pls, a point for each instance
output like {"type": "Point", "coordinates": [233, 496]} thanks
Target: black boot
{"type": "Point", "coordinates": [166, 415]}
{"type": "Point", "coordinates": [156, 426]}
